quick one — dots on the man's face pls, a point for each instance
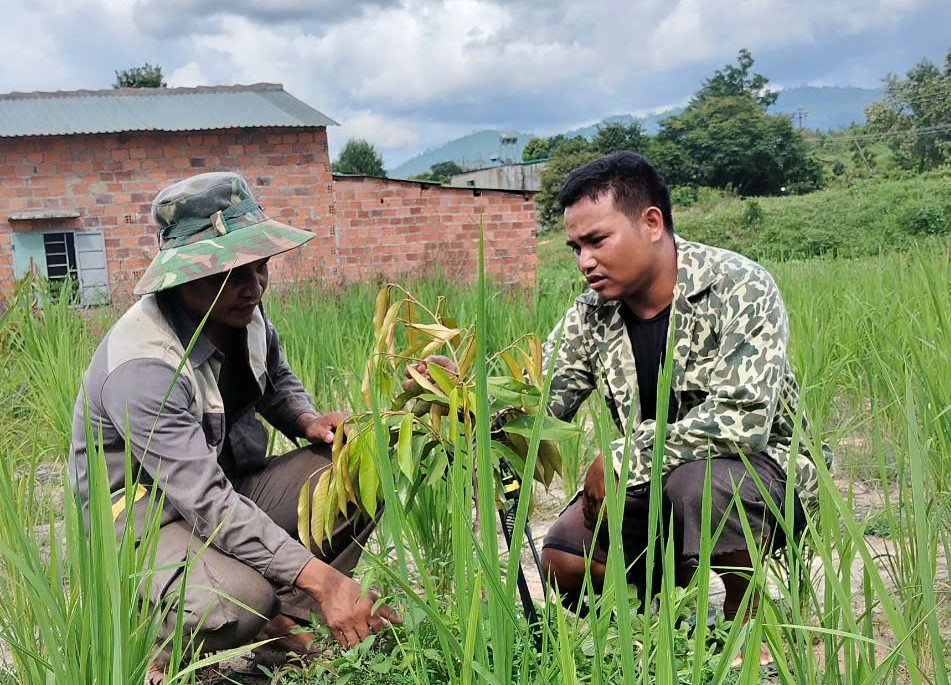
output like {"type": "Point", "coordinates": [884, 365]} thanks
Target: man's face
{"type": "Point", "coordinates": [614, 253]}
{"type": "Point", "coordinates": [239, 297]}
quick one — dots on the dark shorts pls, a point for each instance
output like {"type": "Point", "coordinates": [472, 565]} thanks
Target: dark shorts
{"type": "Point", "coordinates": [682, 499]}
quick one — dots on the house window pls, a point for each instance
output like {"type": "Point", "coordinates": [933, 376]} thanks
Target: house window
{"type": "Point", "coordinates": [74, 259]}
{"type": "Point", "coordinates": [60, 250]}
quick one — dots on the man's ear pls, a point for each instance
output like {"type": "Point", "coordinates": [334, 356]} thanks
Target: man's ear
{"type": "Point", "coordinates": [654, 221]}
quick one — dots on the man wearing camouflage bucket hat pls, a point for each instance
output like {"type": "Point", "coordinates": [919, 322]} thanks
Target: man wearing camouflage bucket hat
{"type": "Point", "coordinates": [191, 421]}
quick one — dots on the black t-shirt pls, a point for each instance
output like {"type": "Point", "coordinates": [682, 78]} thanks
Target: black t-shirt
{"type": "Point", "coordinates": [649, 343]}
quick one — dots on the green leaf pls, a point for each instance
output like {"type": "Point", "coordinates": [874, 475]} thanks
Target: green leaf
{"type": "Point", "coordinates": [404, 447]}
{"type": "Point", "coordinates": [507, 391]}
{"type": "Point", "coordinates": [437, 467]}
{"type": "Point", "coordinates": [433, 399]}
{"type": "Point", "coordinates": [511, 456]}
{"type": "Point", "coordinates": [445, 380]}
{"type": "Point", "coordinates": [552, 428]}
{"type": "Point", "coordinates": [369, 481]}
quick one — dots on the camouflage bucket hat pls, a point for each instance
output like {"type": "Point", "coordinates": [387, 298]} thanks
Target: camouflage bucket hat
{"type": "Point", "coordinates": [209, 224]}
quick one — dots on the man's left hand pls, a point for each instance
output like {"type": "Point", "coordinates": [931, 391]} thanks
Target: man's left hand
{"type": "Point", "coordinates": [321, 428]}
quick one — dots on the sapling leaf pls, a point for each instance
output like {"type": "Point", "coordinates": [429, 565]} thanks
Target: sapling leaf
{"type": "Point", "coordinates": [369, 482]}
{"type": "Point", "coordinates": [532, 367]}
{"type": "Point", "coordinates": [435, 331]}
{"type": "Point", "coordinates": [443, 378]}
{"type": "Point", "coordinates": [512, 365]}
{"type": "Point", "coordinates": [437, 466]}
{"type": "Point", "coordinates": [382, 306]}
{"type": "Point", "coordinates": [552, 428]}
{"type": "Point", "coordinates": [423, 381]}
{"type": "Point", "coordinates": [338, 453]}
{"type": "Point", "coordinates": [430, 398]}
{"type": "Point", "coordinates": [318, 508]}
{"type": "Point", "coordinates": [303, 515]}
{"type": "Point", "coordinates": [404, 448]}
{"type": "Point", "coordinates": [467, 356]}
{"type": "Point", "coordinates": [411, 316]}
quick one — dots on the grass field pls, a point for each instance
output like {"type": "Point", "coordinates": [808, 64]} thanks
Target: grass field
{"type": "Point", "coordinates": [871, 339]}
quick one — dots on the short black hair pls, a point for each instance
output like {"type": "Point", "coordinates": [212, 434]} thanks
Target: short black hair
{"type": "Point", "coordinates": [634, 181]}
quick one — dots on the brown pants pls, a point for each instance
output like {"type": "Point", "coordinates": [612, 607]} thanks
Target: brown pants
{"type": "Point", "coordinates": [225, 602]}
{"type": "Point", "coordinates": [682, 501]}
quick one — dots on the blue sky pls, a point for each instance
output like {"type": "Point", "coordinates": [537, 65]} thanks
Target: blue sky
{"type": "Point", "coordinates": [412, 74]}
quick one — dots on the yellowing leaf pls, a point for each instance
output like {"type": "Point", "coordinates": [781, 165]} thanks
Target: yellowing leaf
{"type": "Point", "coordinates": [339, 477]}
{"type": "Point", "coordinates": [533, 370]}
{"type": "Point", "coordinates": [382, 306]}
{"type": "Point", "coordinates": [435, 331]}
{"type": "Point", "coordinates": [467, 356]}
{"type": "Point", "coordinates": [303, 515]}
{"type": "Point", "coordinates": [411, 317]}
{"type": "Point", "coordinates": [387, 331]}
{"type": "Point", "coordinates": [423, 381]}
{"type": "Point", "coordinates": [318, 508]}
{"type": "Point", "coordinates": [512, 365]}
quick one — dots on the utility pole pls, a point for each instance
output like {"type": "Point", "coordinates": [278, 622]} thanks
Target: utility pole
{"type": "Point", "coordinates": [800, 114]}
{"type": "Point", "coordinates": [862, 153]}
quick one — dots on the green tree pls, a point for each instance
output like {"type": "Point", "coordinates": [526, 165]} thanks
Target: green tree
{"type": "Point", "coordinates": [730, 142]}
{"type": "Point", "coordinates": [736, 80]}
{"type": "Point", "coordinates": [548, 210]}
{"type": "Point", "coordinates": [359, 157]}
{"type": "Point", "coordinates": [440, 172]}
{"type": "Point", "coordinates": [915, 116]}
{"type": "Point", "coordinates": [725, 139]}
{"type": "Point", "coordinates": [146, 76]}
{"type": "Point", "coordinates": [617, 136]}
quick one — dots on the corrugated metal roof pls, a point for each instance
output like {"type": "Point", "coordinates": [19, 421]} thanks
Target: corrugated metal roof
{"type": "Point", "coordinates": [154, 109]}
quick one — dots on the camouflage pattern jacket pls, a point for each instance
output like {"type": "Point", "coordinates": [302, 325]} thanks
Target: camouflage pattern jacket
{"type": "Point", "coordinates": [732, 381]}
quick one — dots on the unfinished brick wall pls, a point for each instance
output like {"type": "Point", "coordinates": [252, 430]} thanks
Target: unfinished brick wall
{"type": "Point", "coordinates": [365, 227]}
{"type": "Point", "coordinates": [111, 180]}
{"type": "Point", "coordinates": [388, 229]}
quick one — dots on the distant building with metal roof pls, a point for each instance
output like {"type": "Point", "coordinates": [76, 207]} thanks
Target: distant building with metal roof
{"type": "Point", "coordinates": [154, 109]}
{"type": "Point", "coordinates": [523, 177]}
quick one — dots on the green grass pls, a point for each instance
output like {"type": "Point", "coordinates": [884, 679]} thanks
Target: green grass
{"type": "Point", "coordinates": [870, 342]}
{"type": "Point", "coordinates": [864, 217]}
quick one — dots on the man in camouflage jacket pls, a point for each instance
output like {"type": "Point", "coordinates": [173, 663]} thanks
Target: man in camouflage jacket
{"type": "Point", "coordinates": [734, 388]}
{"type": "Point", "coordinates": [733, 399]}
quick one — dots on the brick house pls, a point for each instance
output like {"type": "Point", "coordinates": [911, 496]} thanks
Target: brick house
{"type": "Point", "coordinates": [79, 169]}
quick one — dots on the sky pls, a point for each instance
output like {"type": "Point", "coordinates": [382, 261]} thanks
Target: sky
{"type": "Point", "coordinates": [408, 75]}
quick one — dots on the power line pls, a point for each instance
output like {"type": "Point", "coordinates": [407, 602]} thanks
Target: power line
{"type": "Point", "coordinates": [889, 134]}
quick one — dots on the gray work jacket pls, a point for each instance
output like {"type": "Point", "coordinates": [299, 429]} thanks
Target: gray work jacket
{"type": "Point", "coordinates": [176, 446]}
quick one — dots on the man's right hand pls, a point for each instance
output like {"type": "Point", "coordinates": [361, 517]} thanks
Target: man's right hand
{"type": "Point", "coordinates": [593, 493]}
{"type": "Point", "coordinates": [348, 612]}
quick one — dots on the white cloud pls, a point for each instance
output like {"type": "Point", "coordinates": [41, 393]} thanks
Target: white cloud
{"type": "Point", "coordinates": [402, 72]}
{"type": "Point", "coordinates": [187, 76]}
